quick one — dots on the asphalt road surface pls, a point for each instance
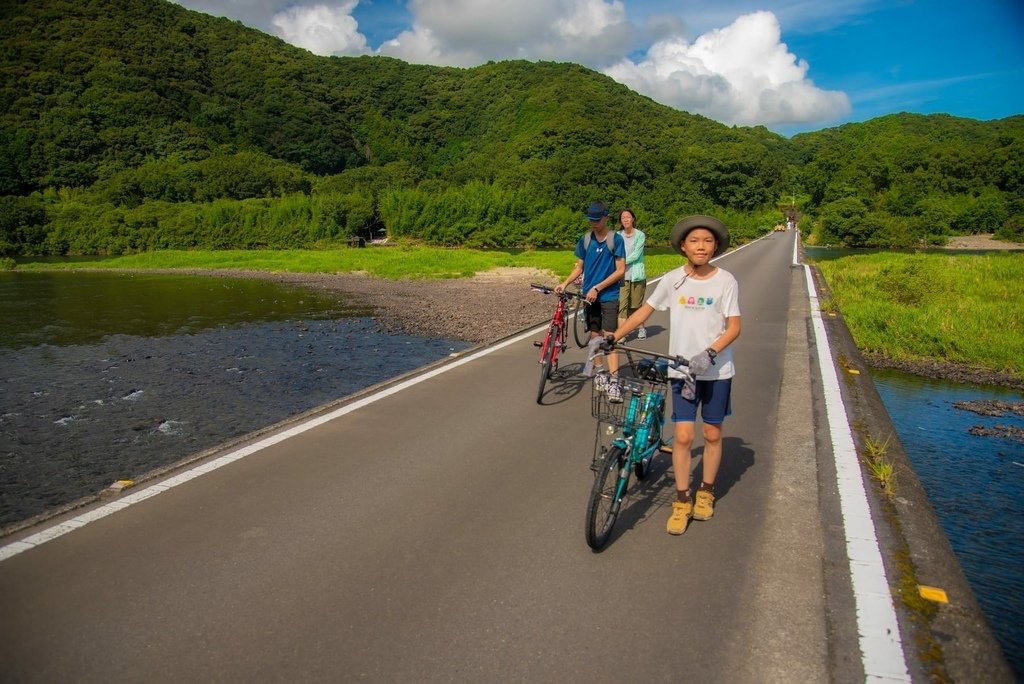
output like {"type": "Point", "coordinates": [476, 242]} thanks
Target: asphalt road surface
{"type": "Point", "coordinates": [437, 534]}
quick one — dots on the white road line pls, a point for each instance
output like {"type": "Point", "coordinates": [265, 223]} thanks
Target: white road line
{"type": "Point", "coordinates": [55, 531]}
{"type": "Point", "coordinates": [878, 631]}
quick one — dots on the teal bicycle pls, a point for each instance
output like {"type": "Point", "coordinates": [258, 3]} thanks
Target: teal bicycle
{"type": "Point", "coordinates": [636, 424]}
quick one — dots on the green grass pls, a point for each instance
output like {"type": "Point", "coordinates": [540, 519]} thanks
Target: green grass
{"type": "Point", "coordinates": [383, 262]}
{"type": "Point", "coordinates": [874, 454]}
{"type": "Point", "coordinates": [967, 309]}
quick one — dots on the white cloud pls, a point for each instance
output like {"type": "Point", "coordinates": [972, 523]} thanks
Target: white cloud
{"type": "Point", "coordinates": [255, 13]}
{"type": "Point", "coordinates": [741, 74]}
{"type": "Point", "coordinates": [471, 32]}
{"type": "Point", "coordinates": [322, 29]}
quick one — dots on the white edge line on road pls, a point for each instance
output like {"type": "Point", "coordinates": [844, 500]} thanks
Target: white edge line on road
{"type": "Point", "coordinates": [60, 529]}
{"type": "Point", "coordinates": [877, 629]}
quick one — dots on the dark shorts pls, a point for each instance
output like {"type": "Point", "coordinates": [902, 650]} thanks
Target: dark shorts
{"type": "Point", "coordinates": [713, 397]}
{"type": "Point", "coordinates": [603, 316]}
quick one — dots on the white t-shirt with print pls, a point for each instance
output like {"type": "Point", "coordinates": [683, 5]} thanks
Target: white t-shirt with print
{"type": "Point", "coordinates": [698, 310]}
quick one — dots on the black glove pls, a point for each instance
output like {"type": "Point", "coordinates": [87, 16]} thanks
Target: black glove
{"type": "Point", "coordinates": [609, 343]}
{"type": "Point", "coordinates": [700, 364]}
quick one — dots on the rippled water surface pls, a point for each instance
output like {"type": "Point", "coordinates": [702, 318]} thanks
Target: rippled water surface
{"type": "Point", "coordinates": [976, 486]}
{"type": "Point", "coordinates": [107, 376]}
{"type": "Point", "coordinates": [62, 309]}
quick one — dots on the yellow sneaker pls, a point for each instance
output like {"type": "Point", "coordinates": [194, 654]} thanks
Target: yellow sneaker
{"type": "Point", "coordinates": [704, 506]}
{"type": "Point", "coordinates": [681, 514]}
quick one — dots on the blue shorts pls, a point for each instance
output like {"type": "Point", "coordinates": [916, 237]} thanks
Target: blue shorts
{"type": "Point", "coordinates": [712, 395]}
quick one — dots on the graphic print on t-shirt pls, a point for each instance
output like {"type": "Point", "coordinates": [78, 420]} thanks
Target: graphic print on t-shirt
{"type": "Point", "coordinates": [699, 303]}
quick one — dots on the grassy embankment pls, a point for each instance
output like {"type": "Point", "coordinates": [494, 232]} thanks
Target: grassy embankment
{"type": "Point", "coordinates": [389, 262]}
{"type": "Point", "coordinates": [918, 307]}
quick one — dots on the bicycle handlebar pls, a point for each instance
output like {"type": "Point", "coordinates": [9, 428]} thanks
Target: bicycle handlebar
{"type": "Point", "coordinates": [674, 361]}
{"type": "Point", "coordinates": [568, 294]}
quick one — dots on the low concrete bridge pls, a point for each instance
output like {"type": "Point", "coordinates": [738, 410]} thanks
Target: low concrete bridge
{"type": "Point", "coordinates": [431, 529]}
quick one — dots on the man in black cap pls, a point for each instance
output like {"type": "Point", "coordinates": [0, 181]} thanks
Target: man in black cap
{"type": "Point", "coordinates": [704, 319]}
{"type": "Point", "coordinates": [601, 259]}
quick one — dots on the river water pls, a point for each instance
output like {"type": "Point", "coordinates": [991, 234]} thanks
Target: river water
{"type": "Point", "coordinates": [111, 376]}
{"type": "Point", "coordinates": [108, 376]}
{"type": "Point", "coordinates": [975, 483]}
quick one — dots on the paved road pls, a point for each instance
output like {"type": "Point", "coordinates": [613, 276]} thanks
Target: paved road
{"type": "Point", "coordinates": [436, 534]}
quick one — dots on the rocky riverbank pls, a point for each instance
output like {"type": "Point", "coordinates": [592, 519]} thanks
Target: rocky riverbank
{"type": "Point", "coordinates": [981, 241]}
{"type": "Point", "coordinates": [484, 308]}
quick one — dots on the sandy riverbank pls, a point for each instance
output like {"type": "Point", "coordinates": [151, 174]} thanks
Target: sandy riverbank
{"type": "Point", "coordinates": [981, 242]}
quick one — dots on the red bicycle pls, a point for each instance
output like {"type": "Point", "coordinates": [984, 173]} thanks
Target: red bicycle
{"type": "Point", "coordinates": [554, 341]}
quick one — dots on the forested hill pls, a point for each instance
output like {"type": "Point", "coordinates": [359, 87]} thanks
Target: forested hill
{"type": "Point", "coordinates": [900, 179]}
{"type": "Point", "coordinates": [138, 124]}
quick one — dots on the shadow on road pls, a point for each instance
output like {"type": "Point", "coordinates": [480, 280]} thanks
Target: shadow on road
{"type": "Point", "coordinates": [658, 490]}
{"type": "Point", "coordinates": [565, 383]}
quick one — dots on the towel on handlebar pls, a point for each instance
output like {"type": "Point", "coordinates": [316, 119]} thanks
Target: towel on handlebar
{"type": "Point", "coordinates": [593, 349]}
{"type": "Point", "coordinates": [689, 389]}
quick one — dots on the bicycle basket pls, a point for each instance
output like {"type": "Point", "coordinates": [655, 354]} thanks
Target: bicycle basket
{"type": "Point", "coordinates": [617, 414]}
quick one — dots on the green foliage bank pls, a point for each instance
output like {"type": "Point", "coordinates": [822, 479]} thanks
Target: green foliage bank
{"type": "Point", "coordinates": [913, 307]}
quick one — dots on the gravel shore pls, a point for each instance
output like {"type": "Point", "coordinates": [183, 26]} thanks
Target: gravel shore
{"type": "Point", "coordinates": [484, 308]}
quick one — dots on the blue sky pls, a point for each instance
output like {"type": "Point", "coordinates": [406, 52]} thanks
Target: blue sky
{"type": "Point", "coordinates": [790, 65]}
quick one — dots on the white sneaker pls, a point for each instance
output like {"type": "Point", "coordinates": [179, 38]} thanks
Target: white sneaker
{"type": "Point", "coordinates": [641, 333]}
{"type": "Point", "coordinates": [601, 382]}
{"type": "Point", "coordinates": [614, 392]}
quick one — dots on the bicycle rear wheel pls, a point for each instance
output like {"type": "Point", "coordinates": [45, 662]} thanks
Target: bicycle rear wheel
{"type": "Point", "coordinates": [603, 508]}
{"type": "Point", "coordinates": [579, 323]}
{"type": "Point", "coordinates": [549, 356]}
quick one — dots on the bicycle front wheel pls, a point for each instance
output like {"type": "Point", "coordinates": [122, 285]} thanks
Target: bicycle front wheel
{"type": "Point", "coordinates": [606, 498]}
{"type": "Point", "coordinates": [545, 365]}
{"type": "Point", "coordinates": [579, 323]}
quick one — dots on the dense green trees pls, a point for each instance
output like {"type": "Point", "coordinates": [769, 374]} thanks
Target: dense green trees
{"type": "Point", "coordinates": [191, 131]}
{"type": "Point", "coordinates": [905, 179]}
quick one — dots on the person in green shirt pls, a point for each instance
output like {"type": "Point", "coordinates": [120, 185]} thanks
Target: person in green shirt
{"type": "Point", "coordinates": [634, 286]}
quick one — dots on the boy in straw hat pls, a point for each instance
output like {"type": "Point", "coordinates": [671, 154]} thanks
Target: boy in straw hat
{"type": "Point", "coordinates": [704, 319]}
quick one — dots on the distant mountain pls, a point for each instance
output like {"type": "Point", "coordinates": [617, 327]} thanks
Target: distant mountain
{"type": "Point", "coordinates": [124, 120]}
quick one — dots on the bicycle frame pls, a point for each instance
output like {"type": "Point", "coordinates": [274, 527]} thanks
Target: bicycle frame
{"type": "Point", "coordinates": [556, 333]}
{"type": "Point", "coordinates": [644, 417]}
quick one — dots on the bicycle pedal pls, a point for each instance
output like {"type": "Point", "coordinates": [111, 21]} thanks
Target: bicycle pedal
{"type": "Point", "coordinates": [538, 344]}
